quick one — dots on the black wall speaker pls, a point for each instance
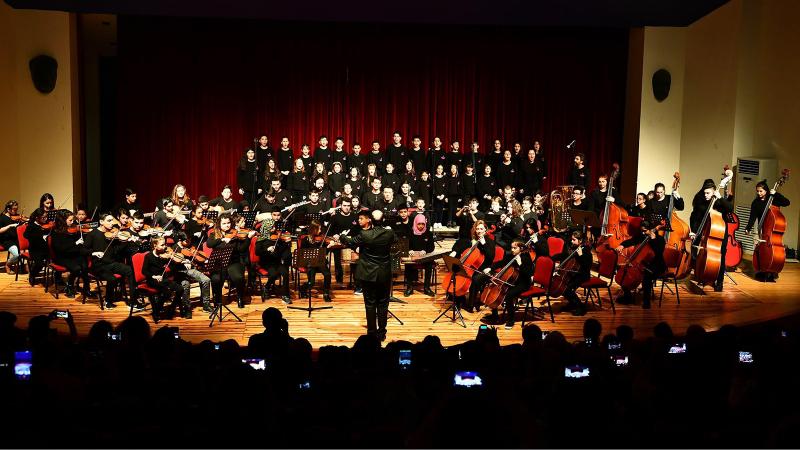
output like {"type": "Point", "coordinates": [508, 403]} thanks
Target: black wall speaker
{"type": "Point", "coordinates": [44, 72]}
{"type": "Point", "coordinates": [661, 84]}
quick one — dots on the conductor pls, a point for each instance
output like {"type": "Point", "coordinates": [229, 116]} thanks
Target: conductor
{"type": "Point", "coordinates": [374, 268]}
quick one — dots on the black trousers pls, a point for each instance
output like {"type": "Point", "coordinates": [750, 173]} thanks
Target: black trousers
{"type": "Point", "coordinates": [276, 271]}
{"type": "Point", "coordinates": [76, 270]}
{"type": "Point", "coordinates": [168, 288]}
{"type": "Point", "coordinates": [512, 295]}
{"type": "Point", "coordinates": [106, 272]}
{"type": "Point", "coordinates": [376, 302]}
{"type": "Point", "coordinates": [439, 210]}
{"type": "Point", "coordinates": [479, 280]}
{"type": "Point", "coordinates": [337, 264]}
{"type": "Point", "coordinates": [453, 203]}
{"type": "Point", "coordinates": [326, 275]}
{"type": "Point", "coordinates": [235, 273]}
{"type": "Point", "coordinates": [573, 284]}
{"type": "Point", "coordinates": [412, 274]}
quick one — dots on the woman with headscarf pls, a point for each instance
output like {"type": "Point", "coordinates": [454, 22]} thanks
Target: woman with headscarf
{"type": "Point", "coordinates": [420, 243]}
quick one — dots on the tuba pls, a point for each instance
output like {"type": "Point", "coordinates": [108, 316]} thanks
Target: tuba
{"type": "Point", "coordinates": [560, 219]}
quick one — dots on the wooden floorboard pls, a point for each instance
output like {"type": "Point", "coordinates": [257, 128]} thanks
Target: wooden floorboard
{"type": "Point", "coordinates": [748, 302]}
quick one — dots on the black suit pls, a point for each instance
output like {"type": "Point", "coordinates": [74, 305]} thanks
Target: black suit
{"type": "Point", "coordinates": [374, 273]}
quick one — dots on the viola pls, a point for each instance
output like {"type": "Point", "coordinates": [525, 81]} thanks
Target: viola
{"type": "Point", "coordinates": [319, 239]}
{"type": "Point", "coordinates": [709, 240]}
{"type": "Point", "coordinates": [178, 257]}
{"type": "Point", "coordinates": [769, 254]}
{"type": "Point", "coordinates": [615, 218]}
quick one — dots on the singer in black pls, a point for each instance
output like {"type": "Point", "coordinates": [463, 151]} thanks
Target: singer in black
{"type": "Point", "coordinates": [248, 177]}
{"type": "Point", "coordinates": [374, 268]}
{"type": "Point", "coordinates": [579, 175]}
{"type": "Point", "coordinates": [757, 207]}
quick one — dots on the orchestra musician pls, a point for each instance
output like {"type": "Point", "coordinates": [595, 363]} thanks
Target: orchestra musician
{"type": "Point", "coordinates": [191, 274]}
{"type": "Point", "coordinates": [275, 255]}
{"type": "Point", "coordinates": [485, 246]}
{"type": "Point", "coordinates": [46, 202]}
{"type": "Point", "coordinates": [224, 236]}
{"type": "Point", "coordinates": [652, 269]}
{"type": "Point", "coordinates": [577, 199]}
{"type": "Point", "coordinates": [315, 238]}
{"type": "Point", "coordinates": [640, 208]}
{"type": "Point", "coordinates": [757, 206]}
{"type": "Point", "coordinates": [69, 252]}
{"type": "Point", "coordinates": [583, 253]}
{"type": "Point", "coordinates": [159, 278]}
{"type": "Point", "coordinates": [523, 263]}
{"type": "Point", "coordinates": [180, 198]}
{"type": "Point", "coordinates": [700, 204]}
{"type": "Point", "coordinates": [107, 257]}
{"type": "Point", "coordinates": [37, 241]}
{"type": "Point", "coordinates": [225, 201]}
{"type": "Point", "coordinates": [420, 243]}
{"type": "Point", "coordinates": [129, 204]}
{"type": "Point", "coordinates": [659, 205]}
{"type": "Point", "coordinates": [196, 226]}
{"type": "Point", "coordinates": [8, 234]}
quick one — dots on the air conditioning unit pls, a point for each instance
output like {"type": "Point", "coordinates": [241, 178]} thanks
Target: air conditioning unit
{"type": "Point", "coordinates": [749, 171]}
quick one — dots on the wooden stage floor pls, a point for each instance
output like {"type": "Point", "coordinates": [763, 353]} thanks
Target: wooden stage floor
{"type": "Point", "coordinates": [747, 302]}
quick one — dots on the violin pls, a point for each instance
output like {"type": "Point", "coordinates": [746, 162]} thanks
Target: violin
{"type": "Point", "coordinates": [19, 218]}
{"type": "Point", "coordinates": [769, 254]}
{"type": "Point", "coordinates": [118, 235]}
{"type": "Point", "coordinates": [82, 228]}
{"type": "Point", "coordinates": [237, 233]}
{"type": "Point", "coordinates": [178, 257]}
{"type": "Point", "coordinates": [284, 236]}
{"type": "Point", "coordinates": [194, 254]}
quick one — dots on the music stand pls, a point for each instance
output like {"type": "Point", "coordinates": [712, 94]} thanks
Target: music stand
{"type": "Point", "coordinates": [585, 218]}
{"type": "Point", "coordinates": [219, 261]}
{"type": "Point", "coordinates": [397, 250]}
{"type": "Point", "coordinates": [310, 257]}
{"type": "Point", "coordinates": [211, 215]}
{"type": "Point", "coordinates": [455, 266]}
{"type": "Point", "coordinates": [249, 218]}
{"type": "Point", "coordinates": [51, 215]}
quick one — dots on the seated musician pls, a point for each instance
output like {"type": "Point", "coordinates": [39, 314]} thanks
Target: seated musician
{"type": "Point", "coordinates": [224, 236]}
{"type": "Point", "coordinates": [180, 198]}
{"type": "Point", "coordinates": [757, 207]}
{"type": "Point", "coordinates": [275, 255]}
{"type": "Point", "coordinates": [69, 252]}
{"type": "Point", "coordinates": [124, 219]}
{"type": "Point", "coordinates": [204, 203]}
{"type": "Point", "coordinates": [129, 204]}
{"type": "Point", "coordinates": [159, 278]}
{"type": "Point", "coordinates": [107, 258]}
{"type": "Point", "coordinates": [196, 226]}
{"type": "Point", "coordinates": [315, 205]}
{"type": "Point", "coordinates": [495, 211]}
{"type": "Point", "coordinates": [700, 203]}
{"type": "Point", "coordinates": [8, 233]}
{"type": "Point", "coordinates": [539, 237]}
{"type": "Point", "coordinates": [523, 263]}
{"type": "Point", "coordinates": [578, 199]}
{"type": "Point", "coordinates": [583, 254]}
{"type": "Point", "coordinates": [640, 208]}
{"type": "Point", "coordinates": [420, 243]}
{"type": "Point", "coordinates": [467, 216]}
{"type": "Point", "coordinates": [191, 274]}
{"type": "Point", "coordinates": [81, 216]}
{"type": "Point", "coordinates": [244, 205]}
{"type": "Point", "coordinates": [315, 239]}
{"type": "Point", "coordinates": [510, 226]}
{"type": "Point", "coordinates": [486, 246]}
{"type": "Point", "coordinates": [225, 201]}
{"type": "Point", "coordinates": [169, 217]}
{"type": "Point", "coordinates": [343, 219]}
{"type": "Point", "coordinates": [653, 269]}
{"type": "Point", "coordinates": [527, 209]}
{"type": "Point", "coordinates": [37, 241]}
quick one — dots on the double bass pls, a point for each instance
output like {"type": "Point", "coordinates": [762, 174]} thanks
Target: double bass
{"type": "Point", "coordinates": [678, 248]}
{"type": "Point", "coordinates": [709, 238]}
{"type": "Point", "coordinates": [615, 218]}
{"type": "Point", "coordinates": [769, 254]}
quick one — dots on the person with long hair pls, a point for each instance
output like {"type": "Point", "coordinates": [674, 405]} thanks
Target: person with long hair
{"type": "Point", "coordinates": [36, 236]}
{"type": "Point", "coordinates": [157, 277]}
{"type": "Point", "coordinates": [454, 194]}
{"type": "Point", "coordinates": [224, 236]}
{"type": "Point", "coordinates": [757, 207]}
{"type": "Point", "coordinates": [46, 202]}
{"type": "Point", "coordinates": [480, 242]}
{"type": "Point", "coordinates": [314, 238]}
{"type": "Point", "coordinates": [180, 197]}
{"type": "Point", "coordinates": [69, 252]}
{"type": "Point", "coordinates": [8, 234]}
{"type": "Point", "coordinates": [248, 176]}
{"type": "Point", "coordinates": [440, 185]}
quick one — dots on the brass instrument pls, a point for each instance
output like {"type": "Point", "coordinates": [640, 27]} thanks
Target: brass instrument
{"type": "Point", "coordinates": [560, 199]}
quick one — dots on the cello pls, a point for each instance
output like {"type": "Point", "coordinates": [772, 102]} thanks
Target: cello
{"type": "Point", "coordinates": [676, 236]}
{"type": "Point", "coordinates": [470, 259]}
{"type": "Point", "coordinates": [769, 254]}
{"type": "Point", "coordinates": [709, 239]}
{"type": "Point", "coordinates": [632, 274]}
{"type": "Point", "coordinates": [615, 218]}
{"type": "Point", "coordinates": [494, 294]}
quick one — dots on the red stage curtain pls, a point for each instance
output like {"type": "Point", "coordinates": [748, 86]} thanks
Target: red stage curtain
{"type": "Point", "coordinates": [194, 93]}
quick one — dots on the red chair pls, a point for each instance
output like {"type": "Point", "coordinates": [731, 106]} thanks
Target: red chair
{"type": "Point", "coordinates": [556, 245]}
{"type": "Point", "coordinates": [543, 276]}
{"type": "Point", "coordinates": [607, 269]}
{"type": "Point", "coordinates": [24, 252]}
{"type": "Point", "coordinates": [51, 270]}
{"type": "Point", "coordinates": [255, 267]}
{"type": "Point", "coordinates": [499, 253]}
{"type": "Point", "coordinates": [142, 289]}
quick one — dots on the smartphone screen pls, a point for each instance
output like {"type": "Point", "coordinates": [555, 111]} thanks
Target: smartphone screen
{"type": "Point", "coordinates": [256, 363]}
{"type": "Point", "coordinates": [614, 346]}
{"type": "Point", "coordinates": [404, 359]}
{"type": "Point", "coordinates": [304, 385]}
{"type": "Point", "coordinates": [746, 358]}
{"type": "Point", "coordinates": [176, 333]}
{"type": "Point", "coordinates": [620, 360]}
{"type": "Point", "coordinates": [22, 365]}
{"type": "Point", "coordinates": [576, 371]}
{"type": "Point", "coordinates": [115, 336]}
{"type": "Point", "coordinates": [678, 348]}
{"type": "Point", "coordinates": [62, 314]}
{"type": "Point", "coordinates": [467, 379]}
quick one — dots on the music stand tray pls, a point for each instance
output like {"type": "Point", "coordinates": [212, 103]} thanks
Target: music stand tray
{"type": "Point", "coordinates": [218, 262]}
{"type": "Point", "coordinates": [585, 218]}
{"type": "Point", "coordinates": [211, 215]}
{"type": "Point", "coordinates": [455, 266]}
{"type": "Point", "coordinates": [310, 257]}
